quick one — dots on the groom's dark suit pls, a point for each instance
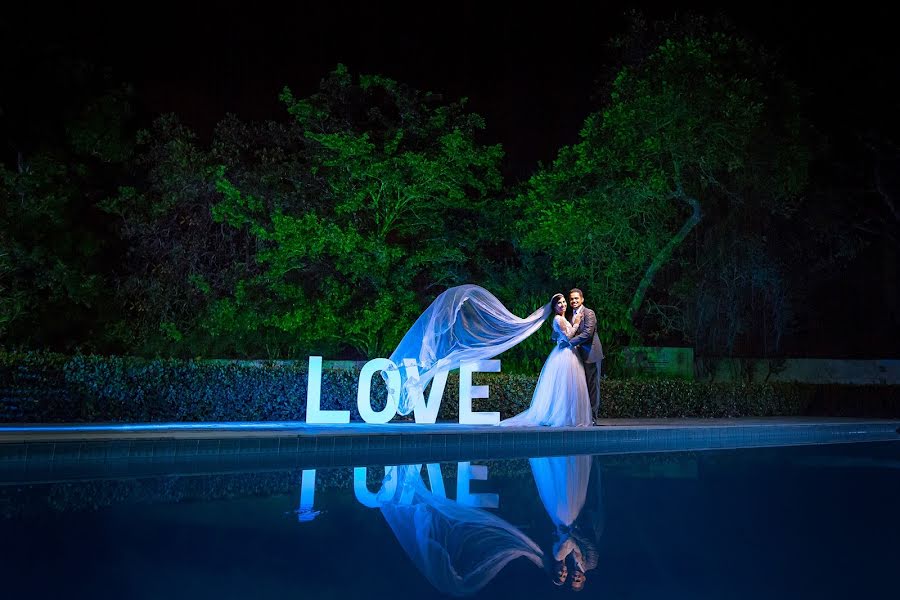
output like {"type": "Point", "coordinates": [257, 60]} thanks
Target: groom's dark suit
{"type": "Point", "coordinates": [589, 349]}
{"type": "Point", "coordinates": [589, 525]}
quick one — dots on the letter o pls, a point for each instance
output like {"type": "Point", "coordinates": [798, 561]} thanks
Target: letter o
{"type": "Point", "coordinates": [363, 395]}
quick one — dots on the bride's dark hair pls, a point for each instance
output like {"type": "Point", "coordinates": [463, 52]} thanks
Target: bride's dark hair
{"type": "Point", "coordinates": [553, 302]}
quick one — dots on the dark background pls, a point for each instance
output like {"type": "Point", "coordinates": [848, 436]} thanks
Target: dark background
{"type": "Point", "coordinates": [533, 73]}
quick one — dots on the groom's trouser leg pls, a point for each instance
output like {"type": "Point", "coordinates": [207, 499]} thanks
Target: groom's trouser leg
{"type": "Point", "coordinates": [592, 373]}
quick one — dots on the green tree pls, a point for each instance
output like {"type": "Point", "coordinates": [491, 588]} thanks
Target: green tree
{"type": "Point", "coordinates": [392, 205]}
{"type": "Point", "coordinates": [53, 268]}
{"type": "Point", "coordinates": [180, 262]}
{"type": "Point", "coordinates": [700, 125]}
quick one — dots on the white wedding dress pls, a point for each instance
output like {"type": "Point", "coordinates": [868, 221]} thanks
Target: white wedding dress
{"type": "Point", "coordinates": [562, 483]}
{"type": "Point", "coordinates": [561, 395]}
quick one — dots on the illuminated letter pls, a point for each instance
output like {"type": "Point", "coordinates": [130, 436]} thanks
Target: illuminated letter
{"type": "Point", "coordinates": [426, 412]}
{"type": "Point", "coordinates": [467, 391]}
{"type": "Point", "coordinates": [363, 394]}
{"type": "Point", "coordinates": [367, 498]}
{"type": "Point", "coordinates": [314, 412]}
{"type": "Point", "coordinates": [465, 473]}
{"type": "Point", "coordinates": [306, 512]}
{"type": "Point", "coordinates": [436, 479]}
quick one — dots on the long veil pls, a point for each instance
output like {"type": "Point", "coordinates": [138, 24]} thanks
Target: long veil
{"type": "Point", "coordinates": [458, 548]}
{"type": "Point", "coordinates": [465, 323]}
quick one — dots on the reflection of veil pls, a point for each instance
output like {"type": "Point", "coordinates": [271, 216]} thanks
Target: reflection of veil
{"type": "Point", "coordinates": [464, 323]}
{"type": "Point", "coordinates": [458, 548]}
{"type": "Point", "coordinates": [562, 483]}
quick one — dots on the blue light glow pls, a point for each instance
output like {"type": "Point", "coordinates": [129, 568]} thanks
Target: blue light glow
{"type": "Point", "coordinates": [136, 427]}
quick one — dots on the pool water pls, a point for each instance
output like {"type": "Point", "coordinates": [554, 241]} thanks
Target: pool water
{"type": "Point", "coordinates": [788, 522]}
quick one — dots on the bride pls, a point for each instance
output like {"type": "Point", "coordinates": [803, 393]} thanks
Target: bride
{"type": "Point", "coordinates": [467, 323]}
{"type": "Point", "coordinates": [561, 397]}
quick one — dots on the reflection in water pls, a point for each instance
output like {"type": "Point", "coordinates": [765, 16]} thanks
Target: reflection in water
{"type": "Point", "coordinates": [571, 497]}
{"type": "Point", "coordinates": [459, 547]}
{"type": "Point", "coordinates": [306, 512]}
{"type": "Point", "coordinates": [738, 524]}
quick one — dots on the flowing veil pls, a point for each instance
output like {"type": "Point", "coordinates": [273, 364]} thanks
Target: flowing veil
{"type": "Point", "coordinates": [458, 548]}
{"type": "Point", "coordinates": [464, 323]}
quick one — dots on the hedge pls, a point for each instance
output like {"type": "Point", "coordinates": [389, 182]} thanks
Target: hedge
{"type": "Point", "coordinates": [44, 387]}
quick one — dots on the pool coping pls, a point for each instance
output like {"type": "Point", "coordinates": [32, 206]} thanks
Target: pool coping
{"type": "Point", "coordinates": [18, 432]}
{"type": "Point", "coordinates": [45, 448]}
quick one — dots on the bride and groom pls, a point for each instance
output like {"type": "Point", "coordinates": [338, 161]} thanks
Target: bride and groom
{"type": "Point", "coordinates": [468, 323]}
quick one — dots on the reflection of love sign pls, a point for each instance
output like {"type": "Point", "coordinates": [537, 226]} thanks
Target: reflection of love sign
{"type": "Point", "coordinates": [425, 411]}
{"type": "Point", "coordinates": [465, 473]}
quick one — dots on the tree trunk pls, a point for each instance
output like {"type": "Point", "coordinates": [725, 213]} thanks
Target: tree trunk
{"type": "Point", "coordinates": [665, 254]}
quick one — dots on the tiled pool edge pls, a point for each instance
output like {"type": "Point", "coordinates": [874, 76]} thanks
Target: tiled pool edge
{"type": "Point", "coordinates": [421, 444]}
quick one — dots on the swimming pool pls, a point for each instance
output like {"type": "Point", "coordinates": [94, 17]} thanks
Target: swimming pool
{"type": "Point", "coordinates": [778, 522]}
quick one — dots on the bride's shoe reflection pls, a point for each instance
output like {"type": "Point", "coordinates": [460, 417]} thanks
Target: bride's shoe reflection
{"type": "Point", "coordinates": [460, 548]}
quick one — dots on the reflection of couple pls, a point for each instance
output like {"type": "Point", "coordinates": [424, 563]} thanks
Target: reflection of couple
{"type": "Point", "coordinates": [562, 483]}
{"type": "Point", "coordinates": [468, 323]}
{"type": "Point", "coordinates": [460, 548]}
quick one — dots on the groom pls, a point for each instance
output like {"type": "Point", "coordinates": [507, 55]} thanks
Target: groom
{"type": "Point", "coordinates": [588, 527]}
{"type": "Point", "coordinates": [589, 349]}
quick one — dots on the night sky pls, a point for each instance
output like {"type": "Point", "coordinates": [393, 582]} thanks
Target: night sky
{"type": "Point", "coordinates": [530, 72]}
